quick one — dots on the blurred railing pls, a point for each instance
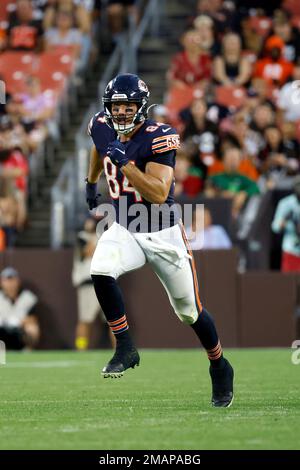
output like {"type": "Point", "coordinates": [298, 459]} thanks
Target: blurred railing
{"type": "Point", "coordinates": [63, 206]}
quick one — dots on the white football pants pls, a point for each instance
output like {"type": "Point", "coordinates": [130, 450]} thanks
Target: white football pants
{"type": "Point", "coordinates": [119, 251]}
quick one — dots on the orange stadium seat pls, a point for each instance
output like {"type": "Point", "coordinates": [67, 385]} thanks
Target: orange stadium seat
{"type": "Point", "coordinates": [178, 99]}
{"type": "Point", "coordinates": [60, 60]}
{"type": "Point", "coordinates": [52, 80]}
{"type": "Point", "coordinates": [14, 67]}
{"type": "Point", "coordinates": [14, 80]}
{"type": "Point", "coordinates": [24, 61]}
{"type": "Point", "coordinates": [230, 96]}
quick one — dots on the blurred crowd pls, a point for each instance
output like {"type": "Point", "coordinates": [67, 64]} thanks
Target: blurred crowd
{"type": "Point", "coordinates": [234, 94]}
{"type": "Point", "coordinates": [45, 45]}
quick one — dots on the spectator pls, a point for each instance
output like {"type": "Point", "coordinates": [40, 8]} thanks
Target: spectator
{"type": "Point", "coordinates": [81, 16]}
{"type": "Point", "coordinates": [203, 234]}
{"type": "Point", "coordinates": [24, 32]}
{"type": "Point", "coordinates": [273, 67]}
{"type": "Point", "coordinates": [231, 68]}
{"type": "Point", "coordinates": [289, 97]}
{"type": "Point", "coordinates": [287, 222]}
{"type": "Point", "coordinates": [191, 66]}
{"type": "Point", "coordinates": [290, 35]}
{"type": "Point", "coordinates": [19, 326]}
{"type": "Point", "coordinates": [291, 146]}
{"type": "Point", "coordinates": [14, 169]}
{"type": "Point", "coordinates": [204, 25]}
{"type": "Point", "coordinates": [8, 213]}
{"type": "Point", "coordinates": [263, 117]}
{"type": "Point", "coordinates": [37, 111]}
{"type": "Point", "coordinates": [119, 13]}
{"type": "Point", "coordinates": [262, 88]}
{"type": "Point", "coordinates": [66, 35]}
{"type": "Point", "coordinates": [231, 183]}
{"type": "Point", "coordinates": [252, 41]}
{"type": "Point", "coordinates": [249, 140]}
{"type": "Point", "coordinates": [188, 176]}
{"type": "Point", "coordinates": [196, 122]}
{"type": "Point", "coordinates": [88, 306]}
{"type": "Point", "coordinates": [279, 158]}
{"type": "Point", "coordinates": [222, 13]}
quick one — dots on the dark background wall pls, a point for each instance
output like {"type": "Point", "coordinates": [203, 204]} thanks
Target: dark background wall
{"type": "Point", "coordinates": [251, 309]}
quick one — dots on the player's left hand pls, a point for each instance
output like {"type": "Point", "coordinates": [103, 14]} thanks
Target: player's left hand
{"type": "Point", "coordinates": [116, 151]}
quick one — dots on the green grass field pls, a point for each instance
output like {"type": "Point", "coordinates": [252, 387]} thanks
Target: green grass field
{"type": "Point", "coordinates": [58, 400]}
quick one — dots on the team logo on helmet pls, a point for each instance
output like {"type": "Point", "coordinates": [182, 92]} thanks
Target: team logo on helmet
{"type": "Point", "coordinates": [142, 86]}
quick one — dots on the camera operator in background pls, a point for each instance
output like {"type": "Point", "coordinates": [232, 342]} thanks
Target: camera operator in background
{"type": "Point", "coordinates": [19, 309]}
{"type": "Point", "coordinates": [287, 221]}
{"type": "Point", "coordinates": [88, 306]}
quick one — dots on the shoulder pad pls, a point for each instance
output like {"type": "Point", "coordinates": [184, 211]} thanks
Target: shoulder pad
{"type": "Point", "coordinates": [97, 118]}
{"type": "Point", "coordinates": [165, 138]}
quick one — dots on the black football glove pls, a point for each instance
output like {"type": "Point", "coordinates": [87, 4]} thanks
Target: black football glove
{"type": "Point", "coordinates": [92, 197]}
{"type": "Point", "coordinates": [117, 153]}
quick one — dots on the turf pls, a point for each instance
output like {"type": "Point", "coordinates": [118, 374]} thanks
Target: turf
{"type": "Point", "coordinates": [58, 400]}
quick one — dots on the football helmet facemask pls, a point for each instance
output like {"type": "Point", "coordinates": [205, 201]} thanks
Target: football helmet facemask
{"type": "Point", "coordinates": [126, 88]}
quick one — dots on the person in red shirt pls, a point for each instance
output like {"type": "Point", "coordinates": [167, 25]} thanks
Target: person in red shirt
{"type": "Point", "coordinates": [274, 68]}
{"type": "Point", "coordinates": [24, 32]}
{"type": "Point", "coordinates": [191, 66]}
{"type": "Point", "coordinates": [14, 170]}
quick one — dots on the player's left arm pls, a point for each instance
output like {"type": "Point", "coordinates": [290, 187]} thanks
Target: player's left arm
{"type": "Point", "coordinates": [153, 185]}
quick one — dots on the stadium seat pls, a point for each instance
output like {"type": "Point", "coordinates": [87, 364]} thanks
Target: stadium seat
{"type": "Point", "coordinates": [178, 99]}
{"type": "Point", "coordinates": [230, 96]}
{"type": "Point", "coordinates": [14, 80]}
{"type": "Point", "coordinates": [61, 60]}
{"type": "Point", "coordinates": [24, 61]}
{"type": "Point", "coordinates": [14, 67]}
{"type": "Point", "coordinates": [52, 80]}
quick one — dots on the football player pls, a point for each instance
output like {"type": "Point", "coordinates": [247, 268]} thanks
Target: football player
{"type": "Point", "coordinates": [138, 158]}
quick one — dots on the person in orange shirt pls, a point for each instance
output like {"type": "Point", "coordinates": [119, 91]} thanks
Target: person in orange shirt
{"type": "Point", "coordinates": [273, 67]}
{"type": "Point", "coordinates": [246, 166]}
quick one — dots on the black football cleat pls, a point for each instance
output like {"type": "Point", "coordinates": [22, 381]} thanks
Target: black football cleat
{"type": "Point", "coordinates": [222, 385]}
{"type": "Point", "coordinates": [124, 358]}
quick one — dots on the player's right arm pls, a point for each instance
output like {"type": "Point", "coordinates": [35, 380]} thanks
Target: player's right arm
{"type": "Point", "coordinates": [95, 169]}
{"type": "Point", "coordinates": [95, 166]}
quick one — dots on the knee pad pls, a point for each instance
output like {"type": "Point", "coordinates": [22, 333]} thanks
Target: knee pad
{"type": "Point", "coordinates": [106, 261]}
{"type": "Point", "coordinates": [186, 310]}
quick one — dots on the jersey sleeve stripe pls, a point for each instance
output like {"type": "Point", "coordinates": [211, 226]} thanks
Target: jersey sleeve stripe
{"type": "Point", "coordinates": [166, 149]}
{"type": "Point", "coordinates": [164, 137]}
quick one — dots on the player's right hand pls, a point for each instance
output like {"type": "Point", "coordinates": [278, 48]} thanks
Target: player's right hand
{"type": "Point", "coordinates": [92, 198]}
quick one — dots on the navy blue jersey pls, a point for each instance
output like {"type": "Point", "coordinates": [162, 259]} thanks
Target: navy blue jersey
{"type": "Point", "coordinates": [153, 142]}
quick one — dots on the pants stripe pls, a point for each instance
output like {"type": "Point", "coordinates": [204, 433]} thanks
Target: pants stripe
{"type": "Point", "coordinates": [193, 267]}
